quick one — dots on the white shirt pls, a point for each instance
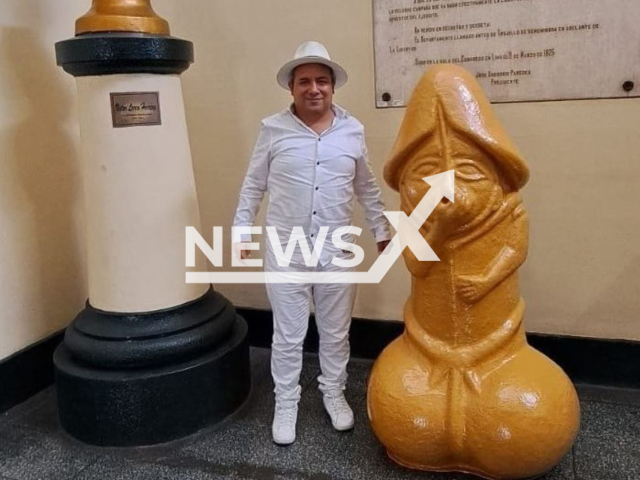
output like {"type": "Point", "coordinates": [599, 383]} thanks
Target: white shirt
{"type": "Point", "coordinates": [311, 180]}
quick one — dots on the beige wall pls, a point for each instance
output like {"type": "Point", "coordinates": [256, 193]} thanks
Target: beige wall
{"type": "Point", "coordinates": [584, 264]}
{"type": "Point", "coordinates": [42, 274]}
{"type": "Point", "coordinates": [583, 270]}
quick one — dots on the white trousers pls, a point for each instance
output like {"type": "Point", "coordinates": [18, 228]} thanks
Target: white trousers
{"type": "Point", "coordinates": [290, 304]}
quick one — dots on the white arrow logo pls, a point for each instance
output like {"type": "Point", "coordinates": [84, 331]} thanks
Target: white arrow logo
{"type": "Point", "coordinates": [409, 227]}
{"type": "Point", "coordinates": [408, 235]}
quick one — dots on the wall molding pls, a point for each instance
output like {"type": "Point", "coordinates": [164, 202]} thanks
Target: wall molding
{"type": "Point", "coordinates": [27, 371]}
{"type": "Point", "coordinates": [592, 361]}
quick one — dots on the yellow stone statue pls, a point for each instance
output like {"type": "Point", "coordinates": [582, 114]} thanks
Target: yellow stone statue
{"type": "Point", "coordinates": [461, 389]}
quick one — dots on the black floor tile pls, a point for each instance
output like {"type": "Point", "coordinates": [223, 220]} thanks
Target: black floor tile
{"type": "Point", "coordinates": [32, 445]}
{"type": "Point", "coordinates": [110, 468]}
{"type": "Point", "coordinates": [610, 422]}
{"type": "Point", "coordinates": [604, 394]}
{"type": "Point", "coordinates": [608, 443]}
{"type": "Point", "coordinates": [358, 371]}
{"type": "Point", "coordinates": [30, 455]}
{"type": "Point", "coordinates": [40, 412]}
{"type": "Point", "coordinates": [599, 460]}
{"type": "Point", "coordinates": [319, 451]}
{"type": "Point", "coordinates": [563, 471]}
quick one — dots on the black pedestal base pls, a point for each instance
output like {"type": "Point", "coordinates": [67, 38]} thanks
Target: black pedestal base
{"type": "Point", "coordinates": [117, 406]}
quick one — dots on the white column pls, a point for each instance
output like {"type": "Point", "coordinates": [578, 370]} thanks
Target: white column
{"type": "Point", "coordinates": [139, 196]}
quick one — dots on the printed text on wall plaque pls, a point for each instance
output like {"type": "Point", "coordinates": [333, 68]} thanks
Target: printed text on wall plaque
{"type": "Point", "coordinates": [519, 50]}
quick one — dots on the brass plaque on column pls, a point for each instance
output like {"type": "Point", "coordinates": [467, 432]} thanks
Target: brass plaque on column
{"type": "Point", "coordinates": [134, 109]}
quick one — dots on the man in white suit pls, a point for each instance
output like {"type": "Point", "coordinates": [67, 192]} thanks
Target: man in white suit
{"type": "Point", "coordinates": [312, 160]}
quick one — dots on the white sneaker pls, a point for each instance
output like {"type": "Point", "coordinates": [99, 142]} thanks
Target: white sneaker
{"type": "Point", "coordinates": [284, 423]}
{"type": "Point", "coordinates": [338, 409]}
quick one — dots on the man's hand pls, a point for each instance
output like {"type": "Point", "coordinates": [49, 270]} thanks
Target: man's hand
{"type": "Point", "coordinates": [382, 245]}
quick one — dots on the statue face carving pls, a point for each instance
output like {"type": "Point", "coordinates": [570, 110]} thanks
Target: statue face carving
{"type": "Point", "coordinates": [478, 190]}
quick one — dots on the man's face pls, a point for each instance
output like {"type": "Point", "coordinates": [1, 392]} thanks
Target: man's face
{"type": "Point", "coordinates": [312, 89]}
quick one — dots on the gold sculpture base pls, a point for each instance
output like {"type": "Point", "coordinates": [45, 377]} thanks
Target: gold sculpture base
{"type": "Point", "coordinates": [460, 389]}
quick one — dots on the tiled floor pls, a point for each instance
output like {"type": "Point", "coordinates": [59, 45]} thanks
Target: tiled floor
{"type": "Point", "coordinates": [32, 445]}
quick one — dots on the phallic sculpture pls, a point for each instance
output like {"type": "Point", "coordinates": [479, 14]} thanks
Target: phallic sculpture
{"type": "Point", "coordinates": [460, 389]}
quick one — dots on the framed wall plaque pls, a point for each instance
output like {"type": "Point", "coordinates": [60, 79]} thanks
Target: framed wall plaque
{"type": "Point", "coordinates": [519, 50]}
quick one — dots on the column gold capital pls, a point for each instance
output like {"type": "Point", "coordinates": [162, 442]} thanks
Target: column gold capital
{"type": "Point", "coordinates": [121, 16]}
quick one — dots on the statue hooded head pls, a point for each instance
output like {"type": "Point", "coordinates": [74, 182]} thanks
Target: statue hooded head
{"type": "Point", "coordinates": [449, 124]}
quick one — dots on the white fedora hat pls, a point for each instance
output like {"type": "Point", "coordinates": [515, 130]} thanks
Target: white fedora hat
{"type": "Point", "coordinates": [310, 52]}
